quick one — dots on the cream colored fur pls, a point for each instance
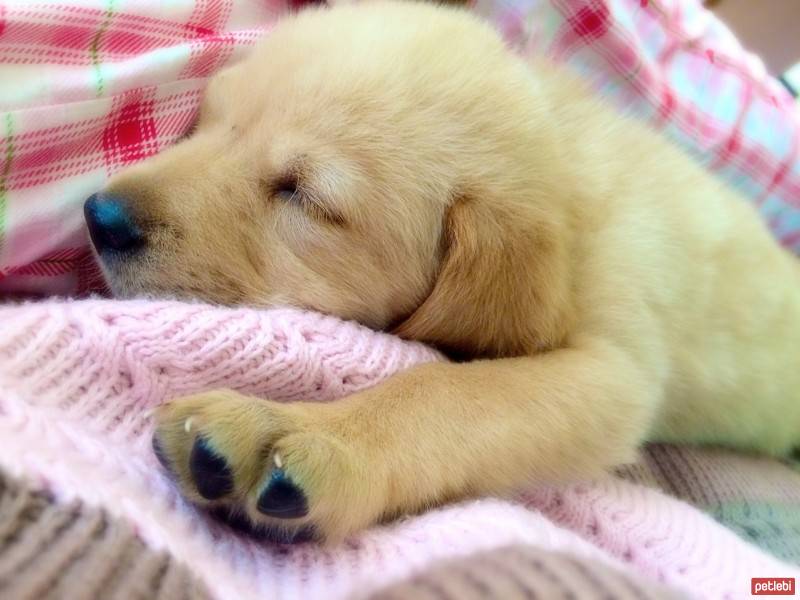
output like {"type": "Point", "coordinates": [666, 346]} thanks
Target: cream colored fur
{"type": "Point", "coordinates": [609, 290]}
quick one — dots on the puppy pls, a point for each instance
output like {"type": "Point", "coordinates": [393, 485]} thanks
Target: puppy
{"type": "Point", "coordinates": [394, 164]}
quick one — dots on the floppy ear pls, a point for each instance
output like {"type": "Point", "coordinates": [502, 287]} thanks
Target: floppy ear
{"type": "Point", "coordinates": [503, 286]}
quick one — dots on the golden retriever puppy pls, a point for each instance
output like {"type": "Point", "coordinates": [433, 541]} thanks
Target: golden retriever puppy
{"type": "Point", "coordinates": [395, 164]}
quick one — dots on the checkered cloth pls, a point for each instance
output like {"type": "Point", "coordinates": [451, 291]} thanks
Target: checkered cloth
{"type": "Point", "coordinates": [90, 86]}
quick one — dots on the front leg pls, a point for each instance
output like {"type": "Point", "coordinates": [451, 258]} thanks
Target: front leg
{"type": "Point", "coordinates": [434, 433]}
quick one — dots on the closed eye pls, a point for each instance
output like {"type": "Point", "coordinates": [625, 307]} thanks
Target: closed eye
{"type": "Point", "coordinates": [289, 189]}
{"type": "Point", "coordinates": [286, 189]}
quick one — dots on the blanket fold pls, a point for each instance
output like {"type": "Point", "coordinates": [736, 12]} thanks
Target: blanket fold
{"type": "Point", "coordinates": [77, 382]}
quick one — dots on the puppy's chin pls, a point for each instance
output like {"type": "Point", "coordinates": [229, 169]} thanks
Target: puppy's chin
{"type": "Point", "coordinates": [135, 280]}
{"type": "Point", "coordinates": [133, 290]}
{"type": "Point", "coordinates": [128, 280]}
{"type": "Point", "coordinates": [127, 288]}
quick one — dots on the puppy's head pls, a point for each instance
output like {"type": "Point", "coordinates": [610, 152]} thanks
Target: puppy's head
{"type": "Point", "coordinates": [326, 170]}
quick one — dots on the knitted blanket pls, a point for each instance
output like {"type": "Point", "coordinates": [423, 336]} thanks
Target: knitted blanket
{"type": "Point", "coordinates": [78, 379]}
{"type": "Point", "coordinates": [56, 550]}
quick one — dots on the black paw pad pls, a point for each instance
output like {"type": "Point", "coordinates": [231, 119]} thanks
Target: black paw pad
{"type": "Point", "coordinates": [210, 471]}
{"type": "Point", "coordinates": [281, 498]}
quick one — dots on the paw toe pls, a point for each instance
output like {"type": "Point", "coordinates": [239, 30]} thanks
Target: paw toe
{"type": "Point", "coordinates": [211, 474]}
{"type": "Point", "coordinates": [281, 498]}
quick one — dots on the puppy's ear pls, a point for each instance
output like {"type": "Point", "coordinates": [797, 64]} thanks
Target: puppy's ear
{"type": "Point", "coordinates": [503, 288]}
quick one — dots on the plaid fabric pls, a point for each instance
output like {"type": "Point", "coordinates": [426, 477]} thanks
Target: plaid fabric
{"type": "Point", "coordinates": [89, 87]}
{"type": "Point", "coordinates": [93, 85]}
{"type": "Point", "coordinates": [672, 63]}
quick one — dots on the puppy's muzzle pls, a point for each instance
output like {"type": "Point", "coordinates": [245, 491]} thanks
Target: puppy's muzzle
{"type": "Point", "coordinates": [112, 227]}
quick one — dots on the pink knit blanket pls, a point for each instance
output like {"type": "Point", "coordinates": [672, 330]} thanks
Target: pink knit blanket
{"type": "Point", "coordinates": [77, 381]}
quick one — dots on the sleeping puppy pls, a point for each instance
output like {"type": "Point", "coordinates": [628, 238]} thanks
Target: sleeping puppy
{"type": "Point", "coordinates": [394, 164]}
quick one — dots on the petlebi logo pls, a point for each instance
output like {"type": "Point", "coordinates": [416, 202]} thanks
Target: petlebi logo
{"type": "Point", "coordinates": [772, 586]}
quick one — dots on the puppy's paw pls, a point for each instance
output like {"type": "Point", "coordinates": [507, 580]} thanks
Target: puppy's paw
{"type": "Point", "coordinates": [282, 468]}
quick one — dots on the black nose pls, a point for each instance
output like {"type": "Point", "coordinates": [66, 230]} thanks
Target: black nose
{"type": "Point", "coordinates": [111, 226]}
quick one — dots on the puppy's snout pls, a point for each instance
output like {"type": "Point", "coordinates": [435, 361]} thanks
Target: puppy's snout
{"type": "Point", "coordinates": [111, 225]}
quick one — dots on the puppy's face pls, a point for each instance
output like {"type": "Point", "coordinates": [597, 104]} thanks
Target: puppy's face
{"type": "Point", "coordinates": [321, 168]}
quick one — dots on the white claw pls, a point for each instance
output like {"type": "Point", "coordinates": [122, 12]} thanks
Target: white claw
{"type": "Point", "coordinates": [187, 425]}
{"type": "Point", "coordinates": [276, 458]}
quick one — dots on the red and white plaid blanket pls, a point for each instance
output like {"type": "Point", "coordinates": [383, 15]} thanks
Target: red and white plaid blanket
{"type": "Point", "coordinates": [89, 86]}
